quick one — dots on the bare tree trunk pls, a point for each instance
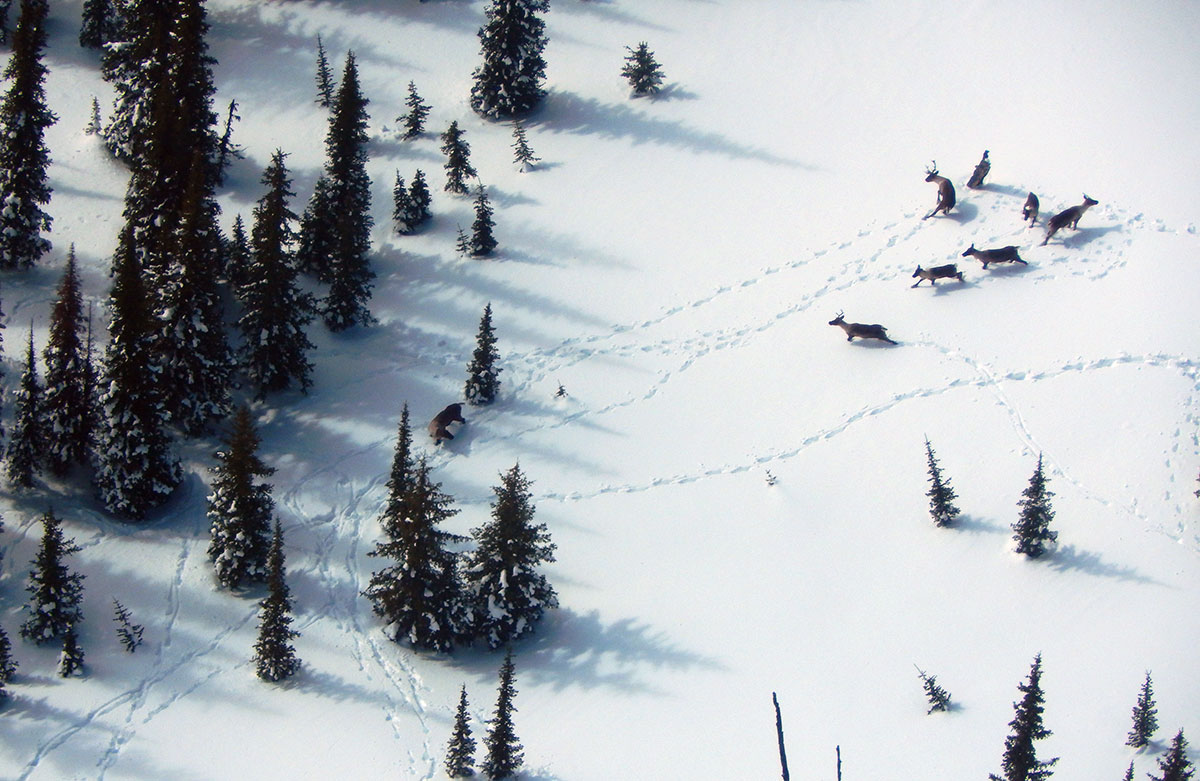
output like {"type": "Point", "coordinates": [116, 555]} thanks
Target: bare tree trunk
{"type": "Point", "coordinates": [779, 729]}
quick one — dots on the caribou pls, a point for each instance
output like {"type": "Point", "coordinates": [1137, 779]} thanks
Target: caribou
{"type": "Point", "coordinates": [1068, 218]}
{"type": "Point", "coordinates": [945, 198]}
{"type": "Point", "coordinates": [999, 255]}
{"type": "Point", "coordinates": [1030, 210]}
{"type": "Point", "coordinates": [949, 271]}
{"type": "Point", "coordinates": [861, 330]}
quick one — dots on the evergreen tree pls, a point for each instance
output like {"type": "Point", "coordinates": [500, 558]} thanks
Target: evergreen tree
{"type": "Point", "coordinates": [458, 160]}
{"type": "Point", "coordinates": [504, 751]}
{"type": "Point", "coordinates": [414, 120]}
{"type": "Point", "coordinates": [483, 376]}
{"type": "Point", "coordinates": [274, 656]}
{"type": "Point", "coordinates": [462, 245]}
{"type": "Point", "coordinates": [401, 207]}
{"type": "Point", "coordinates": [316, 240]}
{"type": "Point", "coordinates": [941, 495]}
{"type": "Point", "coordinates": [324, 77]}
{"type": "Point", "coordinates": [1175, 765]}
{"type": "Point", "coordinates": [1032, 529]}
{"type": "Point", "coordinates": [522, 155]}
{"type": "Point", "coordinates": [1145, 717]}
{"type": "Point", "coordinates": [136, 468]}
{"type": "Point", "coordinates": [237, 254]}
{"type": "Point", "coordinates": [642, 71]}
{"type": "Point", "coordinates": [101, 23]}
{"type": "Point", "coordinates": [483, 242]}
{"type": "Point", "coordinates": [8, 665]}
{"type": "Point", "coordinates": [240, 507]}
{"type": "Point", "coordinates": [350, 274]}
{"type": "Point", "coordinates": [24, 157]}
{"type": "Point", "coordinates": [26, 446]}
{"type": "Point", "coordinates": [400, 479]}
{"type": "Point", "coordinates": [55, 592]}
{"type": "Point", "coordinates": [70, 661]}
{"type": "Point", "coordinates": [1129, 772]}
{"type": "Point", "coordinates": [419, 197]}
{"type": "Point", "coordinates": [1020, 756]}
{"type": "Point", "coordinates": [5, 7]}
{"type": "Point", "coordinates": [460, 753]}
{"type": "Point", "coordinates": [509, 595]}
{"type": "Point", "coordinates": [227, 150]}
{"type": "Point", "coordinates": [420, 596]}
{"type": "Point", "coordinates": [275, 312]}
{"type": "Point", "coordinates": [69, 402]}
{"type": "Point", "coordinates": [95, 125]}
{"type": "Point", "coordinates": [512, 41]}
{"type": "Point", "coordinates": [939, 698]}
{"type": "Point", "coordinates": [129, 633]}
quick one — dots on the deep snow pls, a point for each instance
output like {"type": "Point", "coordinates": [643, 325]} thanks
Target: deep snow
{"type": "Point", "coordinates": [673, 263]}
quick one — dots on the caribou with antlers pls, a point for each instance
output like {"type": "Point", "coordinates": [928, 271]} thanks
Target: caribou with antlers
{"type": "Point", "coordinates": [946, 199]}
{"type": "Point", "coordinates": [861, 330]}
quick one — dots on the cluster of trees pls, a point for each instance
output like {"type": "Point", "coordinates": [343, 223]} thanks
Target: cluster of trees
{"type": "Point", "coordinates": [504, 751]}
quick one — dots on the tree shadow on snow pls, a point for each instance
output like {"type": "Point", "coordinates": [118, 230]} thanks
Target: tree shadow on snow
{"type": "Point", "coordinates": [1068, 557]}
{"type": "Point", "coordinates": [969, 523]}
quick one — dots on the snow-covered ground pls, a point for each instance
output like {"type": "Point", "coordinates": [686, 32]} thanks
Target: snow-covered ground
{"type": "Point", "coordinates": [673, 264]}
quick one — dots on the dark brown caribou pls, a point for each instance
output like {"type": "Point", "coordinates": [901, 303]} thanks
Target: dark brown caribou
{"type": "Point", "coordinates": [861, 330]}
{"type": "Point", "coordinates": [438, 426]}
{"type": "Point", "coordinates": [999, 255]}
{"type": "Point", "coordinates": [946, 200]}
{"type": "Point", "coordinates": [1030, 211]}
{"type": "Point", "coordinates": [1068, 218]}
{"type": "Point", "coordinates": [949, 271]}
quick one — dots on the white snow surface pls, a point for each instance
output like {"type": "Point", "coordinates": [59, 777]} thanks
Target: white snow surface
{"type": "Point", "coordinates": [673, 263]}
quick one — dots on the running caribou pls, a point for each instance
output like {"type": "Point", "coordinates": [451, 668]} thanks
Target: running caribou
{"type": "Point", "coordinates": [861, 330]}
{"type": "Point", "coordinates": [1030, 210]}
{"type": "Point", "coordinates": [1068, 218]}
{"type": "Point", "coordinates": [945, 198]}
{"type": "Point", "coordinates": [999, 255]}
{"type": "Point", "coordinates": [949, 271]}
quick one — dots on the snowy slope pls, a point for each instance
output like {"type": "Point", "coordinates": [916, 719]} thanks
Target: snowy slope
{"type": "Point", "coordinates": [673, 263]}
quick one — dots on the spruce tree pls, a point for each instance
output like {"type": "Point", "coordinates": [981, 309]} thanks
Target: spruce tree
{"type": "Point", "coordinates": [274, 656]}
{"type": "Point", "coordinates": [24, 157]}
{"type": "Point", "coordinates": [400, 479]}
{"type": "Point", "coordinates": [316, 241]}
{"type": "Point", "coordinates": [275, 310]}
{"type": "Point", "coordinates": [483, 241]}
{"type": "Point", "coordinates": [642, 71]}
{"type": "Point", "coordinates": [136, 466]}
{"type": "Point", "coordinates": [350, 274]}
{"type": "Point", "coordinates": [240, 507]}
{"type": "Point", "coordinates": [462, 244]}
{"type": "Point", "coordinates": [101, 23]}
{"type": "Point", "coordinates": [324, 77]}
{"type": "Point", "coordinates": [1174, 765]}
{"type": "Point", "coordinates": [70, 661]}
{"type": "Point", "coordinates": [419, 199]}
{"type": "Point", "coordinates": [504, 751]}
{"type": "Point", "coordinates": [95, 125]}
{"type": "Point", "coordinates": [458, 160]}
{"type": "Point", "coordinates": [941, 495]}
{"type": "Point", "coordinates": [939, 698]}
{"type": "Point", "coordinates": [414, 120]}
{"type": "Point", "coordinates": [1031, 531]}
{"type": "Point", "coordinates": [227, 150]}
{"type": "Point", "coordinates": [510, 80]}
{"type": "Point", "coordinates": [483, 375]}
{"type": "Point", "coordinates": [69, 403]}
{"type": "Point", "coordinates": [508, 593]}
{"type": "Point", "coordinates": [8, 665]}
{"type": "Point", "coordinates": [522, 155]}
{"type": "Point", "coordinates": [460, 752]}
{"type": "Point", "coordinates": [237, 254]}
{"type": "Point", "coordinates": [26, 445]}
{"type": "Point", "coordinates": [419, 597]}
{"type": "Point", "coordinates": [1129, 772]}
{"type": "Point", "coordinates": [129, 633]}
{"type": "Point", "coordinates": [55, 592]}
{"type": "Point", "coordinates": [1145, 716]}
{"type": "Point", "coordinates": [1020, 761]}
{"type": "Point", "coordinates": [401, 207]}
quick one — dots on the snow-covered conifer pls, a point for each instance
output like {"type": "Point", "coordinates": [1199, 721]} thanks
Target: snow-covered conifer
{"type": "Point", "coordinates": [460, 752]}
{"type": "Point", "coordinates": [129, 633]}
{"type": "Point", "coordinates": [1174, 765]}
{"type": "Point", "coordinates": [1145, 716]}
{"type": "Point", "coordinates": [26, 450]}
{"type": "Point", "coordinates": [101, 23]}
{"type": "Point", "coordinates": [69, 400]}
{"type": "Point", "coordinates": [274, 656]}
{"type": "Point", "coordinates": [483, 239]}
{"type": "Point", "coordinates": [1020, 762]}
{"type": "Point", "coordinates": [458, 160]}
{"type": "Point", "coordinates": [522, 155]}
{"type": "Point", "coordinates": [8, 665]}
{"type": "Point", "coordinates": [55, 592]}
{"type": "Point", "coordinates": [642, 71]}
{"type": "Point", "coordinates": [70, 661]}
{"type": "Point", "coordinates": [95, 124]}
{"type": "Point", "coordinates": [237, 254]}
{"type": "Point", "coordinates": [483, 375]}
{"type": "Point", "coordinates": [941, 495]}
{"type": "Point", "coordinates": [504, 751]}
{"type": "Point", "coordinates": [1032, 531]}
{"type": "Point", "coordinates": [414, 120]}
{"type": "Point", "coordinates": [509, 82]}
{"type": "Point", "coordinates": [240, 507]}
{"type": "Point", "coordinates": [939, 698]}
{"type": "Point", "coordinates": [401, 206]}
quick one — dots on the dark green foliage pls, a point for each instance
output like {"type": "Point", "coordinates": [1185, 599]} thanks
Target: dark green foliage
{"type": "Point", "coordinates": [69, 401]}
{"type": "Point", "coordinates": [27, 442]}
{"type": "Point", "coordinates": [414, 120]}
{"type": "Point", "coordinates": [458, 160]}
{"type": "Point", "coordinates": [483, 376]}
{"type": "Point", "coordinates": [419, 197]}
{"type": "Point", "coordinates": [129, 633]}
{"type": "Point", "coordinates": [509, 595]}
{"type": "Point", "coordinates": [101, 23]}
{"type": "Point", "coordinates": [512, 40]}
{"type": "Point", "coordinates": [1174, 765]}
{"type": "Point", "coordinates": [462, 244]}
{"type": "Point", "coordinates": [274, 656]}
{"type": "Point", "coordinates": [400, 479]}
{"type": "Point", "coordinates": [419, 597]}
{"type": "Point", "coordinates": [324, 77]}
{"type": "Point", "coordinates": [316, 243]}
{"type": "Point", "coordinates": [939, 698]}
{"type": "Point", "coordinates": [642, 71]}
{"type": "Point", "coordinates": [275, 346]}
{"type": "Point", "coordinates": [237, 254]}
{"type": "Point", "coordinates": [460, 752]}
{"type": "Point", "coordinates": [1145, 716]}
{"type": "Point", "coordinates": [1020, 761]}
{"type": "Point", "coordinates": [1032, 529]}
{"type": "Point", "coordinates": [483, 240]}
{"type": "Point", "coordinates": [522, 155]}
{"type": "Point", "coordinates": [941, 495]}
{"type": "Point", "coordinates": [55, 592]}
{"type": "Point", "coordinates": [410, 206]}
{"type": "Point", "coordinates": [95, 125]}
{"type": "Point", "coordinates": [227, 151]}
{"type": "Point", "coordinates": [504, 751]}
{"type": "Point", "coordinates": [8, 665]}
{"type": "Point", "coordinates": [240, 507]}
{"type": "Point", "coordinates": [24, 157]}
{"type": "Point", "coordinates": [70, 661]}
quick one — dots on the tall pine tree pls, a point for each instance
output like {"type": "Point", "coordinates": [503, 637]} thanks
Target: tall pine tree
{"type": "Point", "coordinates": [324, 77]}
{"type": "Point", "coordinates": [504, 751]}
{"type": "Point", "coordinates": [70, 402]}
{"type": "Point", "coordinates": [509, 595]}
{"type": "Point", "coordinates": [483, 239]}
{"type": "Point", "coordinates": [101, 23]}
{"type": "Point", "coordinates": [237, 254]}
{"type": "Point", "coordinates": [1020, 761]}
{"type": "Point", "coordinates": [55, 592]}
{"type": "Point", "coordinates": [24, 157]}
{"type": "Point", "coordinates": [941, 495]}
{"type": "Point", "coordinates": [275, 310]}
{"type": "Point", "coordinates": [240, 507]}
{"type": "Point", "coordinates": [1031, 531]}
{"type": "Point", "coordinates": [274, 656]}
{"type": "Point", "coordinates": [1145, 716]}
{"type": "Point", "coordinates": [27, 442]}
{"type": "Point", "coordinates": [483, 376]}
{"type": "Point", "coordinates": [458, 160]}
{"type": "Point", "coordinates": [460, 752]}
{"type": "Point", "coordinates": [1174, 765]}
{"type": "Point", "coordinates": [510, 80]}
